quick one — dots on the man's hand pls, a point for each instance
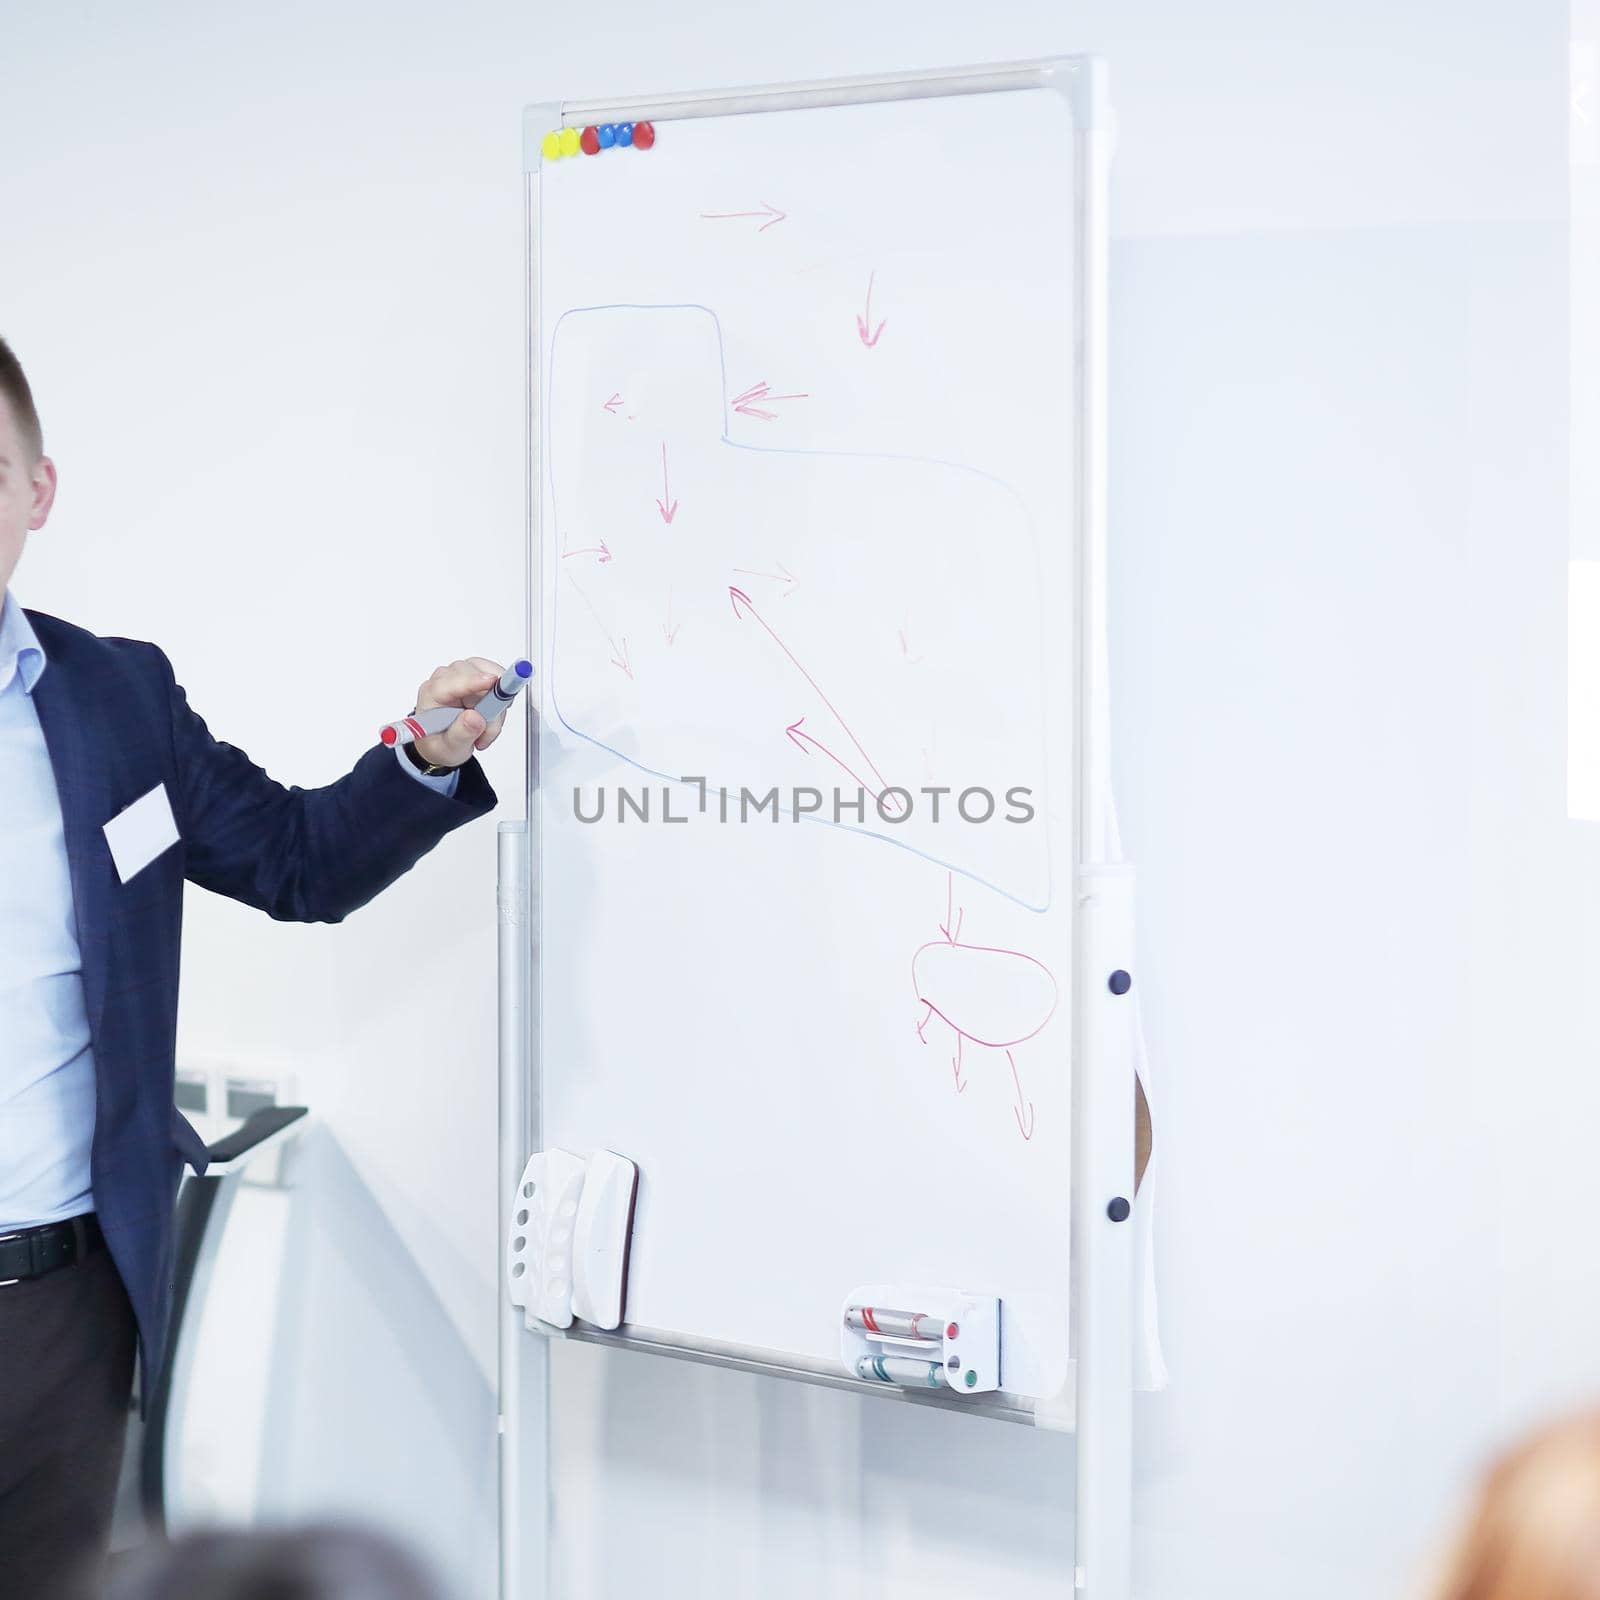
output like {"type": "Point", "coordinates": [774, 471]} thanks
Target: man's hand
{"type": "Point", "coordinates": [462, 683]}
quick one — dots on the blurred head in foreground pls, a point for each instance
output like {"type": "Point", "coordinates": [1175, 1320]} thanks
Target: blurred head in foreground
{"type": "Point", "coordinates": [1534, 1530]}
{"type": "Point", "coordinates": [302, 1564]}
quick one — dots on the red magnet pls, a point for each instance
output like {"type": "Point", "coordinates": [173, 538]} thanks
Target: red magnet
{"type": "Point", "coordinates": [644, 135]}
{"type": "Point", "coordinates": [589, 141]}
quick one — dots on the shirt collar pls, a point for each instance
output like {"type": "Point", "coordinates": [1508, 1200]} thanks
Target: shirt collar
{"type": "Point", "coordinates": [21, 654]}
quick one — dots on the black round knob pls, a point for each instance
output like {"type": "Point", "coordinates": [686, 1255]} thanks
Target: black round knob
{"type": "Point", "coordinates": [1119, 982]}
{"type": "Point", "coordinates": [1118, 1210]}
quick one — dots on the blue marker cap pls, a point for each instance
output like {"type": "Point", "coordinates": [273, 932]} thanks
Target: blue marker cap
{"type": "Point", "coordinates": [523, 669]}
{"type": "Point", "coordinates": [624, 134]}
{"type": "Point", "coordinates": [608, 135]}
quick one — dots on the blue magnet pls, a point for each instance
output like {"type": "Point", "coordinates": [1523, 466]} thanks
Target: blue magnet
{"type": "Point", "coordinates": [624, 134]}
{"type": "Point", "coordinates": [608, 135]}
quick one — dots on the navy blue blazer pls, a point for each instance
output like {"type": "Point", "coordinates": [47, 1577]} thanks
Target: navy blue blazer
{"type": "Point", "coordinates": [117, 724]}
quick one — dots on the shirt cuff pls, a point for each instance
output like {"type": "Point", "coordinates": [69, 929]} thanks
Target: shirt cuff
{"type": "Point", "coordinates": [444, 783]}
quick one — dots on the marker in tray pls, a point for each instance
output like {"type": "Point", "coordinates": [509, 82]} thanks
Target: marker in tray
{"type": "Point", "coordinates": [951, 1341]}
{"type": "Point", "coordinates": [898, 1324]}
{"type": "Point", "coordinates": [906, 1371]}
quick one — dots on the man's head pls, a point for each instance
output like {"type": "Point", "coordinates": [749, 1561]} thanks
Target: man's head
{"type": "Point", "coordinates": [27, 474]}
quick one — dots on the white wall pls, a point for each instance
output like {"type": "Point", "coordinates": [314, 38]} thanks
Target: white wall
{"type": "Point", "coordinates": [266, 272]}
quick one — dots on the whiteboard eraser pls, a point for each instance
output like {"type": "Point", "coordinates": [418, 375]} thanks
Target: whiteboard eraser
{"type": "Point", "coordinates": [600, 1242]}
{"type": "Point", "coordinates": [544, 1217]}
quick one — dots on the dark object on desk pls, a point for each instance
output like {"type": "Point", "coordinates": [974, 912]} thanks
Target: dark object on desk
{"type": "Point", "coordinates": [316, 1563]}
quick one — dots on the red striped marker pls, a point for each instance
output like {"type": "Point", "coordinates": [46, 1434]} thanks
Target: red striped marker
{"type": "Point", "coordinates": [884, 1324]}
{"type": "Point", "coordinates": [423, 724]}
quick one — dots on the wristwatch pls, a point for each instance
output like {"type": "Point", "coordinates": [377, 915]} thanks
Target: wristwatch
{"type": "Point", "coordinates": [422, 764]}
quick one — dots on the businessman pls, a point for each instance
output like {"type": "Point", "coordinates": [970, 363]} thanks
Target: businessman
{"type": "Point", "coordinates": [90, 1144]}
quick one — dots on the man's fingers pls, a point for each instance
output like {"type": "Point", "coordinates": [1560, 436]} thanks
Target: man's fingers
{"type": "Point", "coordinates": [454, 746]}
{"type": "Point", "coordinates": [491, 733]}
{"type": "Point", "coordinates": [461, 683]}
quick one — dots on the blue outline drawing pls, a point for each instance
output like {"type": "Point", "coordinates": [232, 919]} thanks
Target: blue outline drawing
{"type": "Point", "coordinates": [553, 542]}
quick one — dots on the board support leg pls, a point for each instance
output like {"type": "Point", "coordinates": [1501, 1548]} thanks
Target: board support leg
{"type": "Point", "coordinates": [1103, 970]}
{"type": "Point", "coordinates": [1103, 1235]}
{"type": "Point", "coordinates": [524, 1365]}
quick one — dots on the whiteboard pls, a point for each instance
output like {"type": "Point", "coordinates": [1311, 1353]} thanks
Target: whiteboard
{"type": "Point", "coordinates": [807, 412]}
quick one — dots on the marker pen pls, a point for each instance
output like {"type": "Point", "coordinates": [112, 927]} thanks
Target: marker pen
{"type": "Point", "coordinates": [895, 1324]}
{"type": "Point", "coordinates": [421, 724]}
{"type": "Point", "coordinates": [904, 1370]}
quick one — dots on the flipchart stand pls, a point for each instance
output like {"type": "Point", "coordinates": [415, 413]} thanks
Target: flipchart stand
{"type": "Point", "coordinates": [1103, 1091]}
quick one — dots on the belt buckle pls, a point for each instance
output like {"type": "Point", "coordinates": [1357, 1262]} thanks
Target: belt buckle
{"type": "Point", "coordinates": [5, 1283]}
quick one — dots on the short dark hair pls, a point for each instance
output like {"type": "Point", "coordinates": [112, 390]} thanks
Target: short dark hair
{"type": "Point", "coordinates": [14, 386]}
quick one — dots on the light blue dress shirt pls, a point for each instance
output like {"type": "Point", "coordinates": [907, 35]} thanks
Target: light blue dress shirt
{"type": "Point", "coordinates": [47, 1086]}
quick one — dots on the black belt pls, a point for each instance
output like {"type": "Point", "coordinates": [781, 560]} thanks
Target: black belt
{"type": "Point", "coordinates": [32, 1252]}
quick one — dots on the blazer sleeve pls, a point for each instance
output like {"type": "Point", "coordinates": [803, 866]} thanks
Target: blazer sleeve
{"type": "Point", "coordinates": [305, 855]}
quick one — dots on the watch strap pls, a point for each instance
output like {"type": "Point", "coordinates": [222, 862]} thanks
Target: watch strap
{"type": "Point", "coordinates": [422, 764]}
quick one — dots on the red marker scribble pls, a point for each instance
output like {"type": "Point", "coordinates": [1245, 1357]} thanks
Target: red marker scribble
{"type": "Point", "coordinates": [745, 404]}
{"type": "Point", "coordinates": [772, 213]}
{"type": "Point", "coordinates": [951, 928]}
{"type": "Point", "coordinates": [864, 323]}
{"type": "Point", "coordinates": [612, 404]}
{"type": "Point", "coordinates": [905, 643]}
{"type": "Point", "coordinates": [619, 651]}
{"type": "Point", "coordinates": [599, 551]}
{"type": "Point", "coordinates": [739, 598]}
{"type": "Point", "coordinates": [666, 505]}
{"type": "Point", "coordinates": [783, 575]}
{"type": "Point", "coordinates": [1024, 1127]}
{"type": "Point", "coordinates": [807, 742]}
{"type": "Point", "coordinates": [669, 630]}
{"type": "Point", "coordinates": [986, 995]}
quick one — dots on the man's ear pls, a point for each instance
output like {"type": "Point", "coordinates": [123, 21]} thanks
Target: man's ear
{"type": "Point", "coordinates": [44, 492]}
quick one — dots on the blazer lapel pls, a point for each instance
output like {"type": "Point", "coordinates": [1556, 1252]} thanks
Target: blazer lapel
{"type": "Point", "coordinates": [67, 709]}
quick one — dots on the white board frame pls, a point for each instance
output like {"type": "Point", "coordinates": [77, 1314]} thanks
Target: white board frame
{"type": "Point", "coordinates": [1097, 1401]}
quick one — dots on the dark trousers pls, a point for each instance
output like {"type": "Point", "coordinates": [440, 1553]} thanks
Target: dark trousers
{"type": "Point", "coordinates": [66, 1373]}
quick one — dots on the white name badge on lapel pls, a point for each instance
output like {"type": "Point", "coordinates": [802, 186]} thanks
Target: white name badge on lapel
{"type": "Point", "coordinates": [140, 832]}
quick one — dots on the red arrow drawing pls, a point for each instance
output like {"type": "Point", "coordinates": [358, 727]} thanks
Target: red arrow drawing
{"type": "Point", "coordinates": [1025, 1128]}
{"type": "Point", "coordinates": [599, 550]}
{"type": "Point", "coordinates": [745, 404]}
{"type": "Point", "coordinates": [771, 212]}
{"type": "Point", "coordinates": [738, 597]}
{"type": "Point", "coordinates": [783, 575]}
{"type": "Point", "coordinates": [668, 631]}
{"type": "Point", "coordinates": [667, 506]}
{"type": "Point", "coordinates": [905, 643]}
{"type": "Point", "coordinates": [806, 741]}
{"type": "Point", "coordinates": [619, 653]}
{"type": "Point", "coordinates": [612, 404]}
{"type": "Point", "coordinates": [863, 323]}
{"type": "Point", "coordinates": [951, 930]}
